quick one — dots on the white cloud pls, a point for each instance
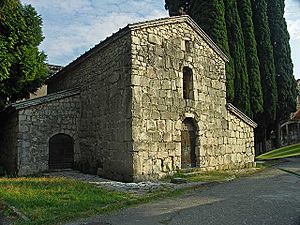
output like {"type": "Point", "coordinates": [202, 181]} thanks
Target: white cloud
{"type": "Point", "coordinates": [294, 28]}
{"type": "Point", "coordinates": [71, 27]}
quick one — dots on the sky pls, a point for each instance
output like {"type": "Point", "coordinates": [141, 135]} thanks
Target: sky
{"type": "Point", "coordinates": [72, 27]}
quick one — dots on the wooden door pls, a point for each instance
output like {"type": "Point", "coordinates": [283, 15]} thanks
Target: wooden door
{"type": "Point", "coordinates": [188, 144]}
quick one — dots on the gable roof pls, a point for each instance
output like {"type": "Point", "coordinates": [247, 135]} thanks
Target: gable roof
{"type": "Point", "coordinates": [136, 26]}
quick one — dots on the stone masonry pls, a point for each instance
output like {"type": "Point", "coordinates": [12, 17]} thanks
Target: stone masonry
{"type": "Point", "coordinates": [159, 55]}
{"type": "Point", "coordinates": [152, 100]}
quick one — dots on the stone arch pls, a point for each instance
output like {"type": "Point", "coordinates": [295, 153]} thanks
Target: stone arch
{"type": "Point", "coordinates": [189, 138]}
{"type": "Point", "coordinates": [61, 152]}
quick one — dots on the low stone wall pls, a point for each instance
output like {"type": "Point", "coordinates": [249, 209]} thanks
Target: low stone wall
{"type": "Point", "coordinates": [236, 149]}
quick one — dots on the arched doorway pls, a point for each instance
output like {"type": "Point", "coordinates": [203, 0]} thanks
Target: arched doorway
{"type": "Point", "coordinates": [188, 144]}
{"type": "Point", "coordinates": [61, 152]}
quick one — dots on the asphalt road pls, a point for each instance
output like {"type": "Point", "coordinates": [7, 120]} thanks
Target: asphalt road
{"type": "Point", "coordinates": [271, 197]}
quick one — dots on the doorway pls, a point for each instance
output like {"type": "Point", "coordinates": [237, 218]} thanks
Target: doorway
{"type": "Point", "coordinates": [61, 152]}
{"type": "Point", "coordinates": [188, 144]}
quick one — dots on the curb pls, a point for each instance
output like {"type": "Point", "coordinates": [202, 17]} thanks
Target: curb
{"type": "Point", "coordinates": [16, 211]}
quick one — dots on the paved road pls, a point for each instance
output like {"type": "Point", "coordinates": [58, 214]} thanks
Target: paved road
{"type": "Point", "coordinates": [271, 197]}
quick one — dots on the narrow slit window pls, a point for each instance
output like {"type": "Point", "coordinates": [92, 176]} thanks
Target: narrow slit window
{"type": "Point", "coordinates": [187, 83]}
{"type": "Point", "coordinates": [188, 46]}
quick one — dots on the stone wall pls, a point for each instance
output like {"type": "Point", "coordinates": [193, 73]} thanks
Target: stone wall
{"type": "Point", "coordinates": [38, 123]}
{"type": "Point", "coordinates": [8, 142]}
{"type": "Point", "coordinates": [105, 133]}
{"type": "Point", "coordinates": [159, 56]}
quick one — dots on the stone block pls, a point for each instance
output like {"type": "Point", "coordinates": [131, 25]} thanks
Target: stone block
{"type": "Point", "coordinates": [154, 39]}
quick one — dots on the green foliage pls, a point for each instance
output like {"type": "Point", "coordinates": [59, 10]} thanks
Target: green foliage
{"type": "Point", "coordinates": [286, 84]}
{"type": "Point", "coordinates": [22, 68]}
{"type": "Point", "coordinates": [237, 50]}
{"type": "Point", "coordinates": [266, 62]}
{"type": "Point", "coordinates": [284, 152]}
{"type": "Point", "coordinates": [256, 96]}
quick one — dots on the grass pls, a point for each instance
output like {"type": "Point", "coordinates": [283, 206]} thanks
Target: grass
{"type": "Point", "coordinates": [215, 176]}
{"type": "Point", "coordinates": [56, 200]}
{"type": "Point", "coordinates": [284, 152]}
{"type": "Point", "coordinates": [52, 200]}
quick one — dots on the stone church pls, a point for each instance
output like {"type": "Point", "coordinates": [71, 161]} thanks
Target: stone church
{"type": "Point", "coordinates": [147, 101]}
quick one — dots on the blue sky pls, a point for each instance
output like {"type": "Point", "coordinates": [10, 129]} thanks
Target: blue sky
{"type": "Point", "coordinates": [71, 27]}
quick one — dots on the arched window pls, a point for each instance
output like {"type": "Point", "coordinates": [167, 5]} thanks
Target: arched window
{"type": "Point", "coordinates": [188, 83]}
{"type": "Point", "coordinates": [61, 152]}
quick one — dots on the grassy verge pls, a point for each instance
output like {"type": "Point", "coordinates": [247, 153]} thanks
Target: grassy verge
{"type": "Point", "coordinates": [215, 176]}
{"type": "Point", "coordinates": [284, 152]}
{"type": "Point", "coordinates": [53, 200]}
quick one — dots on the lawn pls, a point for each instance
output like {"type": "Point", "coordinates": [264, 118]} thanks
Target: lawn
{"type": "Point", "coordinates": [215, 176]}
{"type": "Point", "coordinates": [52, 200]}
{"type": "Point", "coordinates": [284, 152]}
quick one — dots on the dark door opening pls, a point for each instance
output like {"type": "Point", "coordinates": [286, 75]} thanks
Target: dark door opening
{"type": "Point", "coordinates": [61, 152]}
{"type": "Point", "coordinates": [188, 144]}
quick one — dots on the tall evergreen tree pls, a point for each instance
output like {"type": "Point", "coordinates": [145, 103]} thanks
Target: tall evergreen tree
{"type": "Point", "coordinates": [256, 95]}
{"type": "Point", "coordinates": [286, 84]}
{"type": "Point", "coordinates": [267, 68]}
{"type": "Point", "coordinates": [22, 68]}
{"type": "Point", "coordinates": [237, 51]}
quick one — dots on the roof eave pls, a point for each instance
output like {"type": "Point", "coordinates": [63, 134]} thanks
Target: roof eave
{"type": "Point", "coordinates": [231, 108]}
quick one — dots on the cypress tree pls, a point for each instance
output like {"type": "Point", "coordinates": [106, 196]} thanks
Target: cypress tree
{"type": "Point", "coordinates": [237, 51]}
{"type": "Point", "coordinates": [282, 57]}
{"type": "Point", "coordinates": [267, 69]}
{"type": "Point", "coordinates": [256, 96]}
